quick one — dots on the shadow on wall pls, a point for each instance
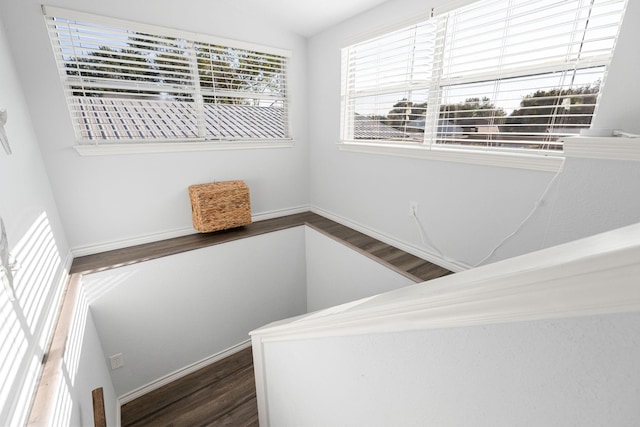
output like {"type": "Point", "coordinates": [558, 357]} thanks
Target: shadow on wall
{"type": "Point", "coordinates": [36, 283]}
{"type": "Point", "coordinates": [28, 312]}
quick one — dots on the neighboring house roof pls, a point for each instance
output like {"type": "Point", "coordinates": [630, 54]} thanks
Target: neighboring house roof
{"type": "Point", "coordinates": [367, 128]}
{"type": "Point", "coordinates": [445, 127]}
{"type": "Point", "coordinates": [123, 119]}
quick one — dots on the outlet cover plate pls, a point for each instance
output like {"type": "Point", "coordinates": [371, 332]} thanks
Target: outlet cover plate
{"type": "Point", "coordinates": [117, 361]}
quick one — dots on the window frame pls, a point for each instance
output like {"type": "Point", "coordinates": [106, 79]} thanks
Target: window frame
{"type": "Point", "coordinates": [198, 142]}
{"type": "Point", "coordinates": [522, 158]}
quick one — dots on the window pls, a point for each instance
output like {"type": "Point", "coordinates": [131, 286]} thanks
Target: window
{"type": "Point", "coordinates": [505, 74]}
{"type": "Point", "coordinates": [128, 82]}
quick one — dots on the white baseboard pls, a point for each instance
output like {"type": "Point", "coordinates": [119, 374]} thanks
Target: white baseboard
{"type": "Point", "coordinates": [279, 212]}
{"type": "Point", "coordinates": [407, 247]}
{"type": "Point", "coordinates": [169, 234]}
{"type": "Point", "coordinates": [180, 373]}
{"type": "Point", "coordinates": [133, 241]}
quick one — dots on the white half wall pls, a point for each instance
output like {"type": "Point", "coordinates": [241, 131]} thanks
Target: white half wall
{"type": "Point", "coordinates": [171, 312]}
{"type": "Point", "coordinates": [337, 274]}
{"type": "Point", "coordinates": [466, 209]}
{"type": "Point", "coordinates": [580, 371]}
{"type": "Point", "coordinates": [88, 368]}
{"type": "Point", "coordinates": [617, 109]}
{"type": "Point", "coordinates": [167, 314]}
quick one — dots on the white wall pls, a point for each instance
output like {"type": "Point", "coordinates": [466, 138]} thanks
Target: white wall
{"type": "Point", "coordinates": [617, 108]}
{"type": "Point", "coordinates": [87, 370]}
{"type": "Point", "coordinates": [466, 209]}
{"type": "Point", "coordinates": [579, 371]}
{"type": "Point", "coordinates": [38, 242]}
{"type": "Point", "coordinates": [109, 199]}
{"type": "Point", "coordinates": [337, 274]}
{"type": "Point", "coordinates": [168, 313]}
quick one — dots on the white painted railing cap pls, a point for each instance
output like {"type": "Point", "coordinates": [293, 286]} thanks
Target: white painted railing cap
{"type": "Point", "coordinates": [595, 275]}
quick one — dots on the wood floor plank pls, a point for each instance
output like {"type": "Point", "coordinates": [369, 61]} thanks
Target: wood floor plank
{"type": "Point", "coordinates": [245, 415]}
{"type": "Point", "coordinates": [407, 262]}
{"type": "Point", "coordinates": [144, 406]}
{"type": "Point", "coordinates": [375, 249]}
{"type": "Point", "coordinates": [149, 251]}
{"type": "Point", "coordinates": [429, 271]}
{"type": "Point", "coordinates": [388, 252]}
{"type": "Point", "coordinates": [207, 404]}
{"type": "Point", "coordinates": [360, 240]}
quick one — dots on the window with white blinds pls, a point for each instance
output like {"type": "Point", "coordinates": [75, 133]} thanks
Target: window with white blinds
{"type": "Point", "coordinates": [508, 74]}
{"type": "Point", "coordinates": [128, 82]}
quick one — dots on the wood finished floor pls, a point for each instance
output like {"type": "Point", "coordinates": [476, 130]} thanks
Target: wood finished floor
{"type": "Point", "coordinates": [221, 394]}
{"type": "Point", "coordinates": [400, 261]}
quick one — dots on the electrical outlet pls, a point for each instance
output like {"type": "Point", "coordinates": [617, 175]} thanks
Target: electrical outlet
{"type": "Point", "coordinates": [413, 209]}
{"type": "Point", "coordinates": [117, 361]}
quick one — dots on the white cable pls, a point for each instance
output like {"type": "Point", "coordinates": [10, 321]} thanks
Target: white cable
{"type": "Point", "coordinates": [524, 221]}
{"type": "Point", "coordinates": [426, 241]}
{"type": "Point", "coordinates": [425, 238]}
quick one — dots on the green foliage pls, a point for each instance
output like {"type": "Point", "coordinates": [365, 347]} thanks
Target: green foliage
{"type": "Point", "coordinates": [571, 108]}
{"type": "Point", "coordinates": [402, 113]}
{"type": "Point", "coordinates": [225, 69]}
{"type": "Point", "coordinates": [162, 69]}
{"type": "Point", "coordinates": [133, 63]}
{"type": "Point", "coordinates": [471, 108]}
{"type": "Point", "coordinates": [470, 112]}
{"type": "Point", "coordinates": [541, 112]}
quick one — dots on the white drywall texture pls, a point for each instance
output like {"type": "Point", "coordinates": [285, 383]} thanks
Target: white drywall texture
{"type": "Point", "coordinates": [92, 372]}
{"type": "Point", "coordinates": [579, 371]}
{"type": "Point", "coordinates": [337, 274]}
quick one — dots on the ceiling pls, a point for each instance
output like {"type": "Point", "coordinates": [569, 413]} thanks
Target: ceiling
{"type": "Point", "coordinates": [306, 18]}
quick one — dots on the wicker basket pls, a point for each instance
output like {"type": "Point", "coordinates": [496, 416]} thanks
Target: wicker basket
{"type": "Point", "coordinates": [220, 205]}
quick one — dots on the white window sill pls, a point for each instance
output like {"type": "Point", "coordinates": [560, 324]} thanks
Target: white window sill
{"type": "Point", "coordinates": [173, 147]}
{"type": "Point", "coordinates": [549, 162]}
{"type": "Point", "coordinates": [609, 147]}
{"type": "Point", "coordinates": [604, 148]}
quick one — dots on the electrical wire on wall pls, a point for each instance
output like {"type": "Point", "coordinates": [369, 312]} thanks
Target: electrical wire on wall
{"type": "Point", "coordinates": [536, 205]}
{"type": "Point", "coordinates": [428, 242]}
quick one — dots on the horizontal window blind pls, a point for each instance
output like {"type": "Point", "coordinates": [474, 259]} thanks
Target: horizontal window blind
{"type": "Point", "coordinates": [385, 89]}
{"type": "Point", "coordinates": [132, 82]}
{"type": "Point", "coordinates": [495, 73]}
{"type": "Point", "coordinates": [523, 73]}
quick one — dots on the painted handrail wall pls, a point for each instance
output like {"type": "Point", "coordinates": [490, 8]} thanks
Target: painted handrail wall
{"type": "Point", "coordinates": [592, 276]}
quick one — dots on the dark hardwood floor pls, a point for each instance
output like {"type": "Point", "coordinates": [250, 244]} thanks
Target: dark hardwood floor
{"type": "Point", "coordinates": [149, 251]}
{"type": "Point", "coordinates": [400, 261]}
{"type": "Point", "coordinates": [221, 394]}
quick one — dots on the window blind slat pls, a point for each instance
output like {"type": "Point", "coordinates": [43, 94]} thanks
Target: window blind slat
{"type": "Point", "coordinates": [130, 82]}
{"type": "Point", "coordinates": [387, 85]}
{"type": "Point", "coordinates": [495, 73]}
